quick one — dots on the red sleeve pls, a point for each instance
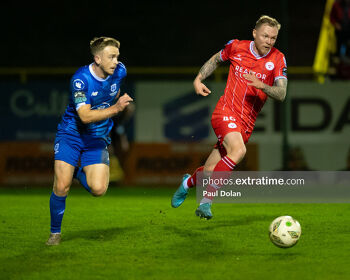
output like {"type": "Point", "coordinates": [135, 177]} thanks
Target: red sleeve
{"type": "Point", "coordinates": [280, 71]}
{"type": "Point", "coordinates": [228, 50]}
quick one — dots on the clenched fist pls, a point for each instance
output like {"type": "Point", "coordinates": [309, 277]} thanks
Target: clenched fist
{"type": "Point", "coordinates": [123, 101]}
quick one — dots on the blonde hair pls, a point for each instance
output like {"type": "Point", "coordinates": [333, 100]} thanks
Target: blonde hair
{"type": "Point", "coordinates": [269, 21]}
{"type": "Point", "coordinates": [99, 43]}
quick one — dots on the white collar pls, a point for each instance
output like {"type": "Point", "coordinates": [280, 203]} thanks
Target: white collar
{"type": "Point", "coordinates": [254, 53]}
{"type": "Point", "coordinates": [95, 76]}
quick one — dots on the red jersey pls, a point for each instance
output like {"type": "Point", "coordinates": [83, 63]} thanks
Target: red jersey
{"type": "Point", "coordinates": [240, 100]}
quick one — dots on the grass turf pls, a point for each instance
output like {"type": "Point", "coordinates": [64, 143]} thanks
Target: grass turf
{"type": "Point", "coordinates": [133, 233]}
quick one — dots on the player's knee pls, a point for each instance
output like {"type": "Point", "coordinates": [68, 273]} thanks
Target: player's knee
{"type": "Point", "coordinates": [237, 153]}
{"type": "Point", "coordinates": [61, 188]}
{"type": "Point", "coordinates": [242, 151]}
{"type": "Point", "coordinates": [98, 190]}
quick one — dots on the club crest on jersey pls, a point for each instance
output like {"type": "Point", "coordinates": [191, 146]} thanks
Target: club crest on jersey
{"type": "Point", "coordinates": [269, 65]}
{"type": "Point", "coordinates": [78, 84]}
{"type": "Point", "coordinates": [113, 87]}
{"type": "Point", "coordinates": [113, 90]}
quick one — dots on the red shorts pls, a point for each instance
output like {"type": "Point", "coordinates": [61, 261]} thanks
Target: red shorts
{"type": "Point", "coordinates": [224, 123]}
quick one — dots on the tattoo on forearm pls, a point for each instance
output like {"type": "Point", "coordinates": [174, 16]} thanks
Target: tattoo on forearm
{"type": "Point", "coordinates": [278, 90]}
{"type": "Point", "coordinates": [209, 67]}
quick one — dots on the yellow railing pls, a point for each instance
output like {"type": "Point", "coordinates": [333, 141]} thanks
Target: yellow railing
{"type": "Point", "coordinates": [326, 45]}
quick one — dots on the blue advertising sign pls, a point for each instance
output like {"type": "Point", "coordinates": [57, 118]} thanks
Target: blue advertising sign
{"type": "Point", "coordinates": [32, 111]}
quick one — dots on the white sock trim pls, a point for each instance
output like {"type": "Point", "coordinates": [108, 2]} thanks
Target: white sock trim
{"type": "Point", "coordinates": [184, 184]}
{"type": "Point", "coordinates": [205, 200]}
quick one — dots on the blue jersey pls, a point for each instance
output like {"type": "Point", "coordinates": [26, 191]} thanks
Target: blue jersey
{"type": "Point", "coordinates": [87, 88]}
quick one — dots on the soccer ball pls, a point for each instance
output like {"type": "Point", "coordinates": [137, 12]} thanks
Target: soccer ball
{"type": "Point", "coordinates": [284, 231]}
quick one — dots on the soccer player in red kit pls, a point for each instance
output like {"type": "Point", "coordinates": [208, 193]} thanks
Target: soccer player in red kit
{"type": "Point", "coordinates": [257, 71]}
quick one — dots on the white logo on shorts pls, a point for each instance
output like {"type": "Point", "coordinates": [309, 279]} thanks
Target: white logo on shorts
{"type": "Point", "coordinates": [232, 125]}
{"type": "Point", "coordinates": [56, 148]}
{"type": "Point", "coordinates": [229, 118]}
{"type": "Point", "coordinates": [269, 65]}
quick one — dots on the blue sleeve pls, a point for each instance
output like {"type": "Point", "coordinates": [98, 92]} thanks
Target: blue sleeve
{"type": "Point", "coordinates": [121, 70]}
{"type": "Point", "coordinates": [79, 89]}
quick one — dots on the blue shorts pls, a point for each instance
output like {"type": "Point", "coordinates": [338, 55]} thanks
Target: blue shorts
{"type": "Point", "coordinates": [88, 150]}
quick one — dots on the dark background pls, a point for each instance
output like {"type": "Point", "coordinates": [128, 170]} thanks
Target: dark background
{"type": "Point", "coordinates": [152, 33]}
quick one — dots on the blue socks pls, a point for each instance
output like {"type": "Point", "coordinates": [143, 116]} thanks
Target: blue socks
{"type": "Point", "coordinates": [58, 203]}
{"type": "Point", "coordinates": [81, 176]}
{"type": "Point", "coordinates": [57, 207]}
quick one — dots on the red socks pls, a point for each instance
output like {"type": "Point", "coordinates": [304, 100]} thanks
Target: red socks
{"type": "Point", "coordinates": [224, 165]}
{"type": "Point", "coordinates": [191, 182]}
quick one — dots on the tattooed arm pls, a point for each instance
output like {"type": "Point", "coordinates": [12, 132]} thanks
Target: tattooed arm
{"type": "Point", "coordinates": [277, 91]}
{"type": "Point", "coordinates": [207, 69]}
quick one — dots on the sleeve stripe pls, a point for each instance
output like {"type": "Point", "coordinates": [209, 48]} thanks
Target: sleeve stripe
{"type": "Point", "coordinates": [221, 56]}
{"type": "Point", "coordinates": [280, 77]}
{"type": "Point", "coordinates": [79, 105]}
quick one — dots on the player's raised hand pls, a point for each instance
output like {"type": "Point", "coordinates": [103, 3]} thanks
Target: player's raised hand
{"type": "Point", "coordinates": [123, 101]}
{"type": "Point", "coordinates": [200, 88]}
{"type": "Point", "coordinates": [253, 81]}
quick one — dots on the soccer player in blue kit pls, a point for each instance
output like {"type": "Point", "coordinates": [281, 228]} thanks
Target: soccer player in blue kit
{"type": "Point", "coordinates": [83, 133]}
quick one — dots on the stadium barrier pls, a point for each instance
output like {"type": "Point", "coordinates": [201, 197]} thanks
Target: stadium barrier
{"type": "Point", "coordinates": [26, 163]}
{"type": "Point", "coordinates": [165, 163]}
{"type": "Point", "coordinates": [31, 163]}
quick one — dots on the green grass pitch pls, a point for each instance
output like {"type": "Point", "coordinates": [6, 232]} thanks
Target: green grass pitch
{"type": "Point", "coordinates": [133, 233]}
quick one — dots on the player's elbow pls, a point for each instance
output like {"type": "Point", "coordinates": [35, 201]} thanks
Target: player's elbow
{"type": "Point", "coordinates": [282, 96]}
{"type": "Point", "coordinates": [85, 115]}
{"type": "Point", "coordinates": [85, 119]}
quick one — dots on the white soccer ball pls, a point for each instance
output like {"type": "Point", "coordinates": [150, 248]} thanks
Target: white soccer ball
{"type": "Point", "coordinates": [284, 231]}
